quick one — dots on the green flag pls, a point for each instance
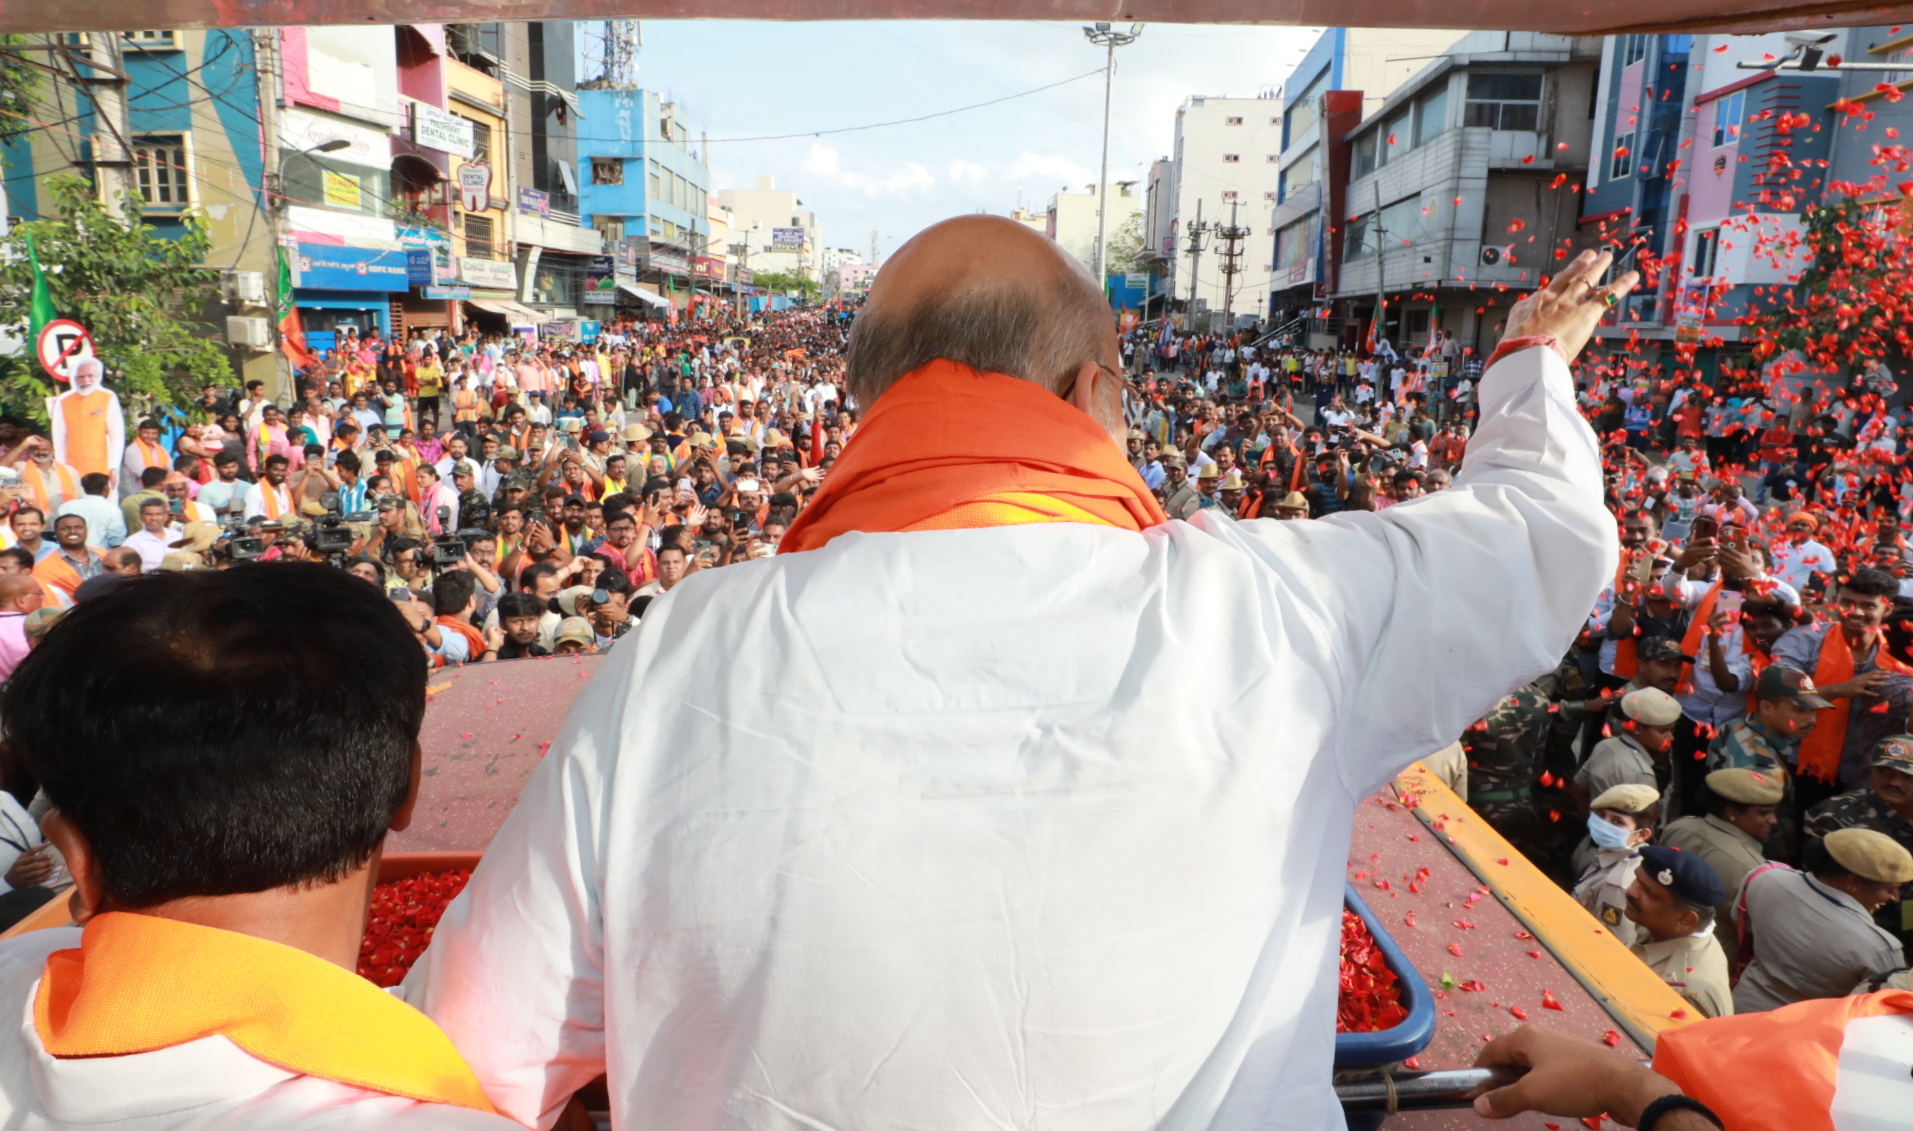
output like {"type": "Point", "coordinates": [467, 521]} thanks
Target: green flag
{"type": "Point", "coordinates": [282, 298]}
{"type": "Point", "coordinates": [40, 311]}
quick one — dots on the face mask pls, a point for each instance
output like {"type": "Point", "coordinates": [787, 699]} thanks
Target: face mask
{"type": "Point", "coordinates": [1610, 837]}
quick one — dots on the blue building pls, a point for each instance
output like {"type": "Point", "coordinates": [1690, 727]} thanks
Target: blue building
{"type": "Point", "coordinates": [643, 185]}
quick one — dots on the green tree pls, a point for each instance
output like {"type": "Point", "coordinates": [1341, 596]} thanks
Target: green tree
{"type": "Point", "coordinates": [18, 84]}
{"type": "Point", "coordinates": [787, 283]}
{"type": "Point", "coordinates": [1125, 247]}
{"type": "Point", "coordinates": [140, 295]}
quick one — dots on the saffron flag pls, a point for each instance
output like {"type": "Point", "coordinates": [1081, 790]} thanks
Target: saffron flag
{"type": "Point", "coordinates": [292, 334]}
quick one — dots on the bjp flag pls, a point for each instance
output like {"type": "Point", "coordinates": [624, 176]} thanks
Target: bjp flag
{"type": "Point", "coordinates": [1827, 1064]}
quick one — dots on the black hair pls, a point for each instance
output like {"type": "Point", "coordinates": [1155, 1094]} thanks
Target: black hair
{"type": "Point", "coordinates": [614, 580]}
{"type": "Point", "coordinates": [1815, 858]}
{"type": "Point", "coordinates": [349, 461]}
{"type": "Point", "coordinates": [160, 503]}
{"type": "Point", "coordinates": [528, 577]}
{"type": "Point", "coordinates": [25, 507]}
{"type": "Point", "coordinates": [519, 605]}
{"type": "Point", "coordinates": [95, 483]}
{"type": "Point", "coordinates": [451, 592]}
{"type": "Point", "coordinates": [124, 713]}
{"type": "Point", "coordinates": [281, 460]}
{"type": "Point", "coordinates": [153, 476]}
{"type": "Point", "coordinates": [221, 459]}
{"type": "Point", "coordinates": [1871, 582]}
{"type": "Point", "coordinates": [21, 555]}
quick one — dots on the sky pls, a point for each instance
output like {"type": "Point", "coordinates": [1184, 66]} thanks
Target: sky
{"type": "Point", "coordinates": [738, 80]}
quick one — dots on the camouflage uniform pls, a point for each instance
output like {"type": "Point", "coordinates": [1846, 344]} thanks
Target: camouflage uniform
{"type": "Point", "coordinates": [1859, 810]}
{"type": "Point", "coordinates": [1745, 744]}
{"type": "Point", "coordinates": [1504, 759]}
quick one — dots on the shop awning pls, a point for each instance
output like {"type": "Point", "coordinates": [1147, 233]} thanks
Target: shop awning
{"type": "Point", "coordinates": [654, 300]}
{"type": "Point", "coordinates": [509, 310]}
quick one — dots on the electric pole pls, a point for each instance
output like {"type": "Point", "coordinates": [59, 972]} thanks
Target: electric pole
{"type": "Point", "coordinates": [1381, 251]}
{"type": "Point", "coordinates": [1232, 235]}
{"type": "Point", "coordinates": [1110, 40]}
{"type": "Point", "coordinates": [1197, 230]}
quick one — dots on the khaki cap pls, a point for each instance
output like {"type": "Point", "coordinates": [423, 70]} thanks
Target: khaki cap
{"type": "Point", "coordinates": [576, 629]}
{"type": "Point", "coordinates": [197, 537]}
{"type": "Point", "coordinates": [1651, 706]}
{"type": "Point", "coordinates": [1209, 471]}
{"type": "Point", "coordinates": [1870, 855]}
{"type": "Point", "coordinates": [636, 433]}
{"type": "Point", "coordinates": [179, 561]}
{"type": "Point", "coordinates": [1232, 481]}
{"type": "Point", "coordinates": [1293, 501]}
{"type": "Point", "coordinates": [1631, 797]}
{"type": "Point", "coordinates": [1747, 787]}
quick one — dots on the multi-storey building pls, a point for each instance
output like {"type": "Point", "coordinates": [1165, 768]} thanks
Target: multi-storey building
{"type": "Point", "coordinates": [1226, 170]}
{"type": "Point", "coordinates": [1461, 186]}
{"type": "Point", "coordinates": [773, 233]}
{"type": "Point", "coordinates": [1072, 218]}
{"type": "Point", "coordinates": [1346, 75]}
{"type": "Point", "coordinates": [647, 189]}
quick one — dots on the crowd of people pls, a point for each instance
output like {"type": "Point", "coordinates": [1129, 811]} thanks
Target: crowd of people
{"type": "Point", "coordinates": [1734, 696]}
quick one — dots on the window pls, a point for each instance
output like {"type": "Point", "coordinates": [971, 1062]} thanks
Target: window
{"type": "Point", "coordinates": [1301, 173]}
{"type": "Point", "coordinates": [1304, 111]}
{"type": "Point", "coordinates": [149, 39]}
{"type": "Point", "coordinates": [1295, 243]}
{"type": "Point", "coordinates": [481, 142]}
{"type": "Point", "coordinates": [657, 184]}
{"type": "Point", "coordinates": [162, 167]}
{"type": "Point", "coordinates": [607, 170]}
{"type": "Point", "coordinates": [1403, 222]}
{"type": "Point", "coordinates": [1364, 157]}
{"type": "Point", "coordinates": [1633, 49]}
{"type": "Point", "coordinates": [1396, 139]}
{"type": "Point", "coordinates": [1231, 158]}
{"type": "Point", "coordinates": [1728, 114]}
{"type": "Point", "coordinates": [1355, 241]}
{"type": "Point", "coordinates": [1706, 252]}
{"type": "Point", "coordinates": [478, 237]}
{"type": "Point", "coordinates": [1275, 158]}
{"type": "Point", "coordinates": [1431, 116]}
{"type": "Point", "coordinates": [1228, 195]}
{"type": "Point", "coordinates": [1623, 163]}
{"type": "Point", "coordinates": [1232, 121]}
{"type": "Point", "coordinates": [1269, 196]}
{"type": "Point", "coordinates": [1504, 101]}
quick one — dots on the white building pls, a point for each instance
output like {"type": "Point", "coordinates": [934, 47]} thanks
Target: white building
{"type": "Point", "coordinates": [1225, 168]}
{"type": "Point", "coordinates": [772, 232]}
{"type": "Point", "coordinates": [1072, 218]}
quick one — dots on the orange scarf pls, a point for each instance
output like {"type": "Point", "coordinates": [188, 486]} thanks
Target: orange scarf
{"type": "Point", "coordinates": [139, 983]}
{"type": "Point", "coordinates": [37, 489]}
{"type": "Point", "coordinates": [1795, 1050]}
{"type": "Point", "coordinates": [152, 455]}
{"type": "Point", "coordinates": [1820, 750]}
{"type": "Point", "coordinates": [474, 639]}
{"type": "Point", "coordinates": [277, 500]}
{"type": "Point", "coordinates": [949, 447]}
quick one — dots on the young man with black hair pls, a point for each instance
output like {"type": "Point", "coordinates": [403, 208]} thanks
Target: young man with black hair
{"type": "Point", "coordinates": [151, 482]}
{"type": "Point", "coordinates": [1849, 663]}
{"type": "Point", "coordinates": [226, 491]}
{"type": "Point", "coordinates": [518, 618]}
{"type": "Point", "coordinates": [222, 862]}
{"type": "Point", "coordinates": [63, 571]}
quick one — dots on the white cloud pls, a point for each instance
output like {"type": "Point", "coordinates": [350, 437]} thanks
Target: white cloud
{"type": "Point", "coordinates": [907, 179]}
{"type": "Point", "coordinates": [962, 171]}
{"type": "Point", "coordinates": [1042, 169]}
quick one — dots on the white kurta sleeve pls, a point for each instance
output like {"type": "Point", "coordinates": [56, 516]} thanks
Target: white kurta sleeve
{"type": "Point", "coordinates": [514, 974]}
{"type": "Point", "coordinates": [1438, 607]}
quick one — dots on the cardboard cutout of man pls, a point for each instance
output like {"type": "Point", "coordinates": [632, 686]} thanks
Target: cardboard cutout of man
{"type": "Point", "coordinates": [89, 430]}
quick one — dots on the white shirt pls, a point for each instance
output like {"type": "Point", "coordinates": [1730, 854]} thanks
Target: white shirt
{"type": "Point", "coordinates": [152, 548]}
{"type": "Point", "coordinates": [822, 846]}
{"type": "Point", "coordinates": [209, 1084]}
{"type": "Point", "coordinates": [1795, 563]}
{"type": "Point", "coordinates": [255, 501]}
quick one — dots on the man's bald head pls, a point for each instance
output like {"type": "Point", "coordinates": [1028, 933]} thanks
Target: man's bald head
{"type": "Point", "coordinates": [986, 292]}
{"type": "Point", "coordinates": [16, 586]}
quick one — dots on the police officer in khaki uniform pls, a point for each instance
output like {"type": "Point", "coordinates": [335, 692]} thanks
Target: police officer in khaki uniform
{"type": "Point", "coordinates": [1740, 817]}
{"type": "Point", "coordinates": [1812, 931]}
{"type": "Point", "coordinates": [1619, 823]}
{"type": "Point", "coordinates": [1637, 752]}
{"type": "Point", "coordinates": [1883, 805]}
{"type": "Point", "coordinates": [1672, 901]}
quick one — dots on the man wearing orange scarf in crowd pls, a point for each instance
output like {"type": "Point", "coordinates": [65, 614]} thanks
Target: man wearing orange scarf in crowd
{"type": "Point", "coordinates": [222, 862]}
{"type": "Point", "coordinates": [1848, 660]}
{"type": "Point", "coordinates": [996, 797]}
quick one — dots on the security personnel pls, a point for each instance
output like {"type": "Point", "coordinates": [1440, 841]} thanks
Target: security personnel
{"type": "Point", "coordinates": [1637, 751]}
{"type": "Point", "coordinates": [1504, 754]}
{"type": "Point", "coordinates": [1672, 901]}
{"type": "Point", "coordinates": [1812, 931]}
{"type": "Point", "coordinates": [1619, 823]}
{"type": "Point", "coordinates": [1785, 710]}
{"type": "Point", "coordinates": [1740, 817]}
{"type": "Point", "coordinates": [1883, 805]}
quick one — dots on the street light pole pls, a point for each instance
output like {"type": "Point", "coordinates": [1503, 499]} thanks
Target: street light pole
{"type": "Point", "coordinates": [1103, 36]}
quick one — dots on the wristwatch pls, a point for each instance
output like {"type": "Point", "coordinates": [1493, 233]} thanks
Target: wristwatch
{"type": "Point", "coordinates": [1674, 1101]}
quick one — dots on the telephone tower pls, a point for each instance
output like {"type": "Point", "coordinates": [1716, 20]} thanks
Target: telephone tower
{"type": "Point", "coordinates": [1231, 236]}
{"type": "Point", "coordinates": [615, 46]}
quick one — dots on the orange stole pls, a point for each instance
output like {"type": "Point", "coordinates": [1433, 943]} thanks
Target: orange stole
{"type": "Point", "coordinates": [1820, 750]}
{"type": "Point", "coordinates": [36, 489]}
{"type": "Point", "coordinates": [84, 418]}
{"type": "Point", "coordinates": [138, 983]}
{"type": "Point", "coordinates": [949, 447]}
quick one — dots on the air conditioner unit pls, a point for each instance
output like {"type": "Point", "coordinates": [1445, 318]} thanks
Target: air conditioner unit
{"type": "Point", "coordinates": [253, 333]}
{"type": "Point", "coordinates": [247, 287]}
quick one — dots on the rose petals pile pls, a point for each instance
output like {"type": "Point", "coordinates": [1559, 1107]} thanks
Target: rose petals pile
{"type": "Point", "coordinates": [400, 923]}
{"type": "Point", "coordinates": [1370, 998]}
